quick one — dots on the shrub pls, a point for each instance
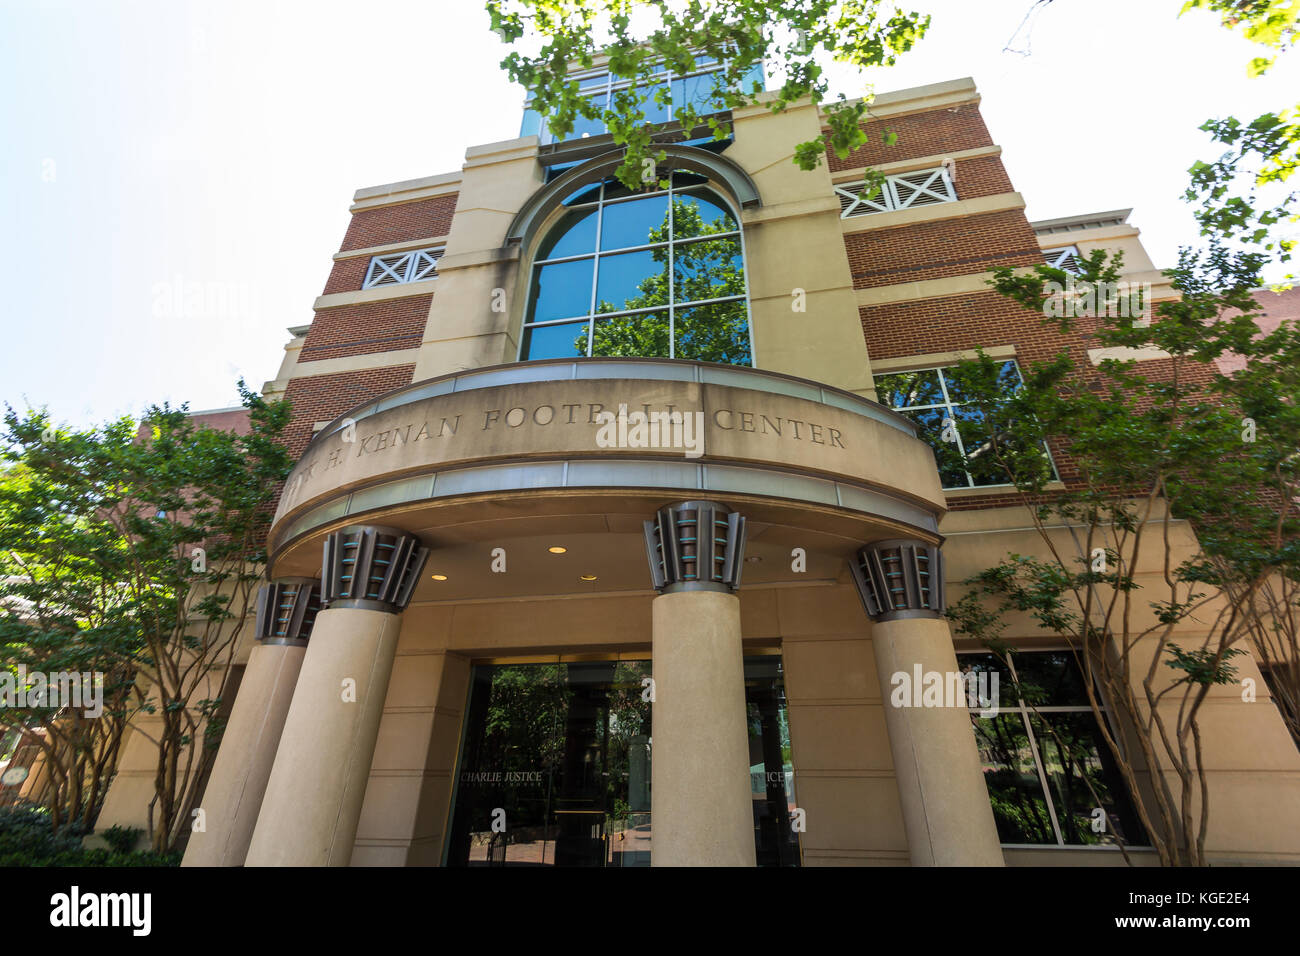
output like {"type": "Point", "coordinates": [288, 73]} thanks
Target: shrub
{"type": "Point", "coordinates": [121, 839]}
{"type": "Point", "coordinates": [27, 838]}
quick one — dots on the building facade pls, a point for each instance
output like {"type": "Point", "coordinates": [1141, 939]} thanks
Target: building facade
{"type": "Point", "coordinates": [616, 520]}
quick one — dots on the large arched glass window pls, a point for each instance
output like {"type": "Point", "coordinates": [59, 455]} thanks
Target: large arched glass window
{"type": "Point", "coordinates": [655, 273]}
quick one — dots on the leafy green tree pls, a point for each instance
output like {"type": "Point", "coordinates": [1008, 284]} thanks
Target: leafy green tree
{"type": "Point", "coordinates": [708, 268]}
{"type": "Point", "coordinates": [1150, 446]}
{"type": "Point", "coordinates": [1245, 193]}
{"type": "Point", "coordinates": [551, 37]}
{"type": "Point", "coordinates": [1217, 450]}
{"type": "Point", "coordinates": [135, 549]}
{"type": "Point", "coordinates": [64, 608]}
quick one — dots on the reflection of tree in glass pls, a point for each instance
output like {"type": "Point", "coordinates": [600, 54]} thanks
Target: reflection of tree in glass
{"type": "Point", "coordinates": [704, 269]}
{"type": "Point", "coordinates": [629, 718]}
{"type": "Point", "coordinates": [987, 434]}
{"type": "Point", "coordinates": [1069, 751]}
{"type": "Point", "coordinates": [1014, 788]}
{"type": "Point", "coordinates": [521, 716]}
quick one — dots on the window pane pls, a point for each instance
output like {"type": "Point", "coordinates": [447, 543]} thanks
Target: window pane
{"type": "Point", "coordinates": [986, 668]}
{"type": "Point", "coordinates": [532, 124]}
{"type": "Point", "coordinates": [589, 127]}
{"type": "Point", "coordinates": [632, 280]}
{"type": "Point", "coordinates": [573, 235]}
{"type": "Point", "coordinates": [683, 180]}
{"type": "Point", "coordinates": [562, 290]}
{"type": "Point", "coordinates": [700, 213]}
{"type": "Point", "coordinates": [654, 111]}
{"type": "Point", "coordinates": [713, 333]}
{"type": "Point", "coordinates": [637, 222]}
{"type": "Point", "coordinates": [754, 75]}
{"type": "Point", "coordinates": [696, 92]}
{"type": "Point", "coordinates": [1050, 678]}
{"type": "Point", "coordinates": [584, 194]}
{"type": "Point", "coordinates": [947, 456]}
{"type": "Point", "coordinates": [905, 389]}
{"type": "Point", "coordinates": [981, 459]}
{"type": "Point", "coordinates": [595, 82]}
{"type": "Point", "coordinates": [771, 770]}
{"type": "Point", "coordinates": [555, 172]}
{"type": "Point", "coordinates": [1083, 777]}
{"type": "Point", "coordinates": [1008, 381]}
{"type": "Point", "coordinates": [644, 334]}
{"type": "Point", "coordinates": [1015, 791]}
{"type": "Point", "coordinates": [616, 190]}
{"type": "Point", "coordinates": [708, 269]}
{"type": "Point", "coordinates": [565, 340]}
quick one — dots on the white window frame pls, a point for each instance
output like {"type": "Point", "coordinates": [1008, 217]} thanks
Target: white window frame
{"type": "Point", "coordinates": [400, 268]}
{"type": "Point", "coordinates": [948, 405]}
{"type": "Point", "coordinates": [897, 192]}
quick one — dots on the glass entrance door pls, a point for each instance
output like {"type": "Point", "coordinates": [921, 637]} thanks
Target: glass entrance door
{"type": "Point", "coordinates": [555, 766]}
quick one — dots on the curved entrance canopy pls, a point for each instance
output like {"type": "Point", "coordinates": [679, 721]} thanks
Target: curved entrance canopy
{"type": "Point", "coordinates": [596, 446]}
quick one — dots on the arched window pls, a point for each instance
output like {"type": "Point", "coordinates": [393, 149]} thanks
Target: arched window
{"type": "Point", "coordinates": [653, 273]}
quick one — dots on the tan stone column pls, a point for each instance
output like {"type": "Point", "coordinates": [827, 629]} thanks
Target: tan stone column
{"type": "Point", "coordinates": [313, 798]}
{"type": "Point", "coordinates": [699, 778]}
{"type": "Point", "coordinates": [286, 610]}
{"type": "Point", "coordinates": [946, 809]}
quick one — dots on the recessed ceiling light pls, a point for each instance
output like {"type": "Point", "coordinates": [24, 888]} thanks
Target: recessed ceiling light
{"type": "Point", "coordinates": [586, 577]}
{"type": "Point", "coordinates": [440, 577]}
{"type": "Point", "coordinates": [557, 550]}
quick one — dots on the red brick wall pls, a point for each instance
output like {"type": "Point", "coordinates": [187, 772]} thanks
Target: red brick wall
{"type": "Point", "coordinates": [347, 275]}
{"type": "Point", "coordinates": [1274, 309]}
{"type": "Point", "coordinates": [981, 176]}
{"type": "Point", "coordinates": [947, 247]}
{"type": "Point", "coordinates": [319, 398]}
{"type": "Point", "coordinates": [385, 326]}
{"type": "Point", "coordinates": [411, 220]}
{"type": "Point", "coordinates": [365, 328]}
{"type": "Point", "coordinates": [953, 323]}
{"type": "Point", "coordinates": [932, 133]}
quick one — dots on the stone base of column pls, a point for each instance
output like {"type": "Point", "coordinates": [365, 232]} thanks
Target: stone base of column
{"type": "Point", "coordinates": [703, 811]}
{"type": "Point", "coordinates": [233, 797]}
{"type": "Point", "coordinates": [313, 799]}
{"type": "Point", "coordinates": [946, 808]}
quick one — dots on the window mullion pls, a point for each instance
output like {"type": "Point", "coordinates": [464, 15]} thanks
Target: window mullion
{"type": "Point", "coordinates": [951, 415]}
{"type": "Point", "coordinates": [1038, 762]}
{"type": "Point", "coordinates": [672, 271]}
{"type": "Point", "coordinates": [595, 274]}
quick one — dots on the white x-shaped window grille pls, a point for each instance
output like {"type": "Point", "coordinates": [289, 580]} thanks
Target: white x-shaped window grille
{"type": "Point", "coordinates": [1066, 258]}
{"type": "Point", "coordinates": [921, 188]}
{"type": "Point", "coordinates": [402, 267]}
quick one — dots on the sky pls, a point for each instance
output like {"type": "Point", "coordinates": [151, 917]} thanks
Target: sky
{"type": "Point", "coordinates": [175, 175]}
